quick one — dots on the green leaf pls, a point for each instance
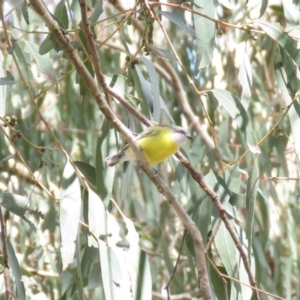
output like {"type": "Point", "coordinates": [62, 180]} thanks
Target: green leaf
{"type": "Point", "coordinates": [111, 272]}
{"type": "Point", "coordinates": [2, 91]}
{"type": "Point", "coordinates": [205, 30]}
{"type": "Point", "coordinates": [154, 87]}
{"type": "Point", "coordinates": [200, 207]}
{"type": "Point", "coordinates": [69, 292]}
{"type": "Point", "coordinates": [119, 83]}
{"type": "Point", "coordinates": [96, 217]}
{"type": "Point", "coordinates": [7, 80]}
{"type": "Point", "coordinates": [236, 110]}
{"type": "Point", "coordinates": [15, 267]}
{"type": "Point", "coordinates": [228, 255]}
{"type": "Point", "coordinates": [43, 62]}
{"type": "Point", "coordinates": [144, 91]}
{"type": "Point", "coordinates": [288, 83]}
{"type": "Point", "coordinates": [61, 14]}
{"type": "Point", "coordinates": [245, 79]}
{"type": "Point", "coordinates": [263, 7]}
{"type": "Point", "coordinates": [218, 184]}
{"type": "Point", "coordinates": [251, 193]}
{"type": "Point", "coordinates": [19, 49]}
{"type": "Point", "coordinates": [98, 9]}
{"type": "Point", "coordinates": [18, 205]}
{"type": "Point", "coordinates": [48, 44]}
{"type": "Point", "coordinates": [161, 53]}
{"type": "Point", "coordinates": [291, 13]}
{"type": "Point", "coordinates": [178, 21]}
{"type": "Point", "coordinates": [87, 170]}
{"type": "Point", "coordinates": [24, 10]}
{"type": "Point", "coordinates": [89, 257]}
{"type": "Point", "coordinates": [246, 291]}
{"type": "Point", "coordinates": [232, 178]}
{"type": "Point", "coordinates": [70, 213]}
{"type": "Point", "coordinates": [105, 175]}
{"type": "Point", "coordinates": [137, 264]}
{"type": "Point", "coordinates": [274, 31]}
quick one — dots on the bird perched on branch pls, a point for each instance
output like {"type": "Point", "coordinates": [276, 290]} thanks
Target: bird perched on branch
{"type": "Point", "coordinates": [157, 143]}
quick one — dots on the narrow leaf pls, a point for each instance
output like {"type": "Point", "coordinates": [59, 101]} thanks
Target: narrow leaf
{"type": "Point", "coordinates": [97, 218]}
{"type": "Point", "coordinates": [226, 249]}
{"type": "Point", "coordinates": [154, 87]}
{"type": "Point", "coordinates": [70, 211]}
{"type": "Point", "coordinates": [228, 255]}
{"type": "Point", "coordinates": [61, 14]}
{"type": "Point", "coordinates": [161, 53]}
{"type": "Point", "coordinates": [2, 90]}
{"type": "Point", "coordinates": [178, 21]}
{"type": "Point", "coordinates": [137, 264]}
{"type": "Point", "coordinates": [274, 31]}
{"type": "Point", "coordinates": [205, 30]}
{"type": "Point", "coordinates": [24, 10]}
{"type": "Point", "coordinates": [15, 267]}
{"type": "Point", "coordinates": [236, 110]}
{"type": "Point", "coordinates": [104, 175]}
{"type": "Point", "coordinates": [263, 7]}
{"type": "Point", "coordinates": [251, 193]}
{"type": "Point", "coordinates": [7, 80]}
{"type": "Point", "coordinates": [23, 59]}
{"type": "Point", "coordinates": [46, 45]}
{"type": "Point", "coordinates": [143, 90]}
{"type": "Point", "coordinates": [98, 9]}
{"type": "Point", "coordinates": [110, 271]}
{"type": "Point", "coordinates": [245, 79]}
{"type": "Point", "coordinates": [17, 205]}
{"type": "Point", "coordinates": [283, 77]}
{"type": "Point", "coordinates": [43, 62]}
{"type": "Point", "coordinates": [87, 170]}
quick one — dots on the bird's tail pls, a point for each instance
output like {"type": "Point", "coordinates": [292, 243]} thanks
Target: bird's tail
{"type": "Point", "coordinates": [113, 159]}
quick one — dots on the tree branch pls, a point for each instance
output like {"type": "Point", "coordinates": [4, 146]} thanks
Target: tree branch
{"type": "Point", "coordinates": [73, 56]}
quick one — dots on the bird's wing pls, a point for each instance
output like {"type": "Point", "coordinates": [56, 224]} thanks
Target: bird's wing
{"type": "Point", "coordinates": [147, 132]}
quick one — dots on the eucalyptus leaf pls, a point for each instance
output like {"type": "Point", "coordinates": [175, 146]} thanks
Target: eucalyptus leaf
{"type": "Point", "coordinates": [179, 22]}
{"type": "Point", "coordinates": [70, 213]}
{"type": "Point", "coordinates": [61, 14]}
{"type": "Point", "coordinates": [24, 11]}
{"type": "Point", "coordinates": [7, 80]}
{"type": "Point", "coordinates": [205, 31]}
{"type": "Point", "coordinates": [18, 205]}
{"type": "Point", "coordinates": [236, 110]}
{"type": "Point", "coordinates": [274, 31]}
{"type": "Point", "coordinates": [245, 79]}
{"type": "Point", "coordinates": [252, 187]}
{"type": "Point", "coordinates": [154, 87]}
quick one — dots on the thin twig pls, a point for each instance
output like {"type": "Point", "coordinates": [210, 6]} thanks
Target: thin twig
{"type": "Point", "coordinates": [91, 46]}
{"type": "Point", "coordinates": [225, 24]}
{"type": "Point", "coordinates": [176, 264]}
{"type": "Point", "coordinates": [223, 276]}
{"type": "Point", "coordinates": [220, 275]}
{"type": "Point", "coordinates": [213, 235]}
{"type": "Point", "coordinates": [5, 257]}
{"type": "Point", "coordinates": [222, 213]}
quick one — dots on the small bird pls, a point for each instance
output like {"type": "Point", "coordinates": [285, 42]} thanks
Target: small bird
{"type": "Point", "coordinates": [156, 142]}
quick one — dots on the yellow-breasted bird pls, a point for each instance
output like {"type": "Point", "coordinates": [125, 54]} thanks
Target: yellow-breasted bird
{"type": "Point", "coordinates": [157, 143]}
